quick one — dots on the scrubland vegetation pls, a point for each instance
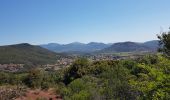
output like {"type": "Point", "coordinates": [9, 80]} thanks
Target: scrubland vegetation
{"type": "Point", "coordinates": [144, 78]}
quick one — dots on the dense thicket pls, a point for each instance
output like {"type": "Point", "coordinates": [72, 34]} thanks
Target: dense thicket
{"type": "Point", "coordinates": [143, 78]}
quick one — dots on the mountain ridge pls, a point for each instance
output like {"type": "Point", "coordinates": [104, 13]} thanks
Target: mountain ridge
{"type": "Point", "coordinates": [127, 47]}
{"type": "Point", "coordinates": [102, 47]}
{"type": "Point", "coordinates": [76, 46]}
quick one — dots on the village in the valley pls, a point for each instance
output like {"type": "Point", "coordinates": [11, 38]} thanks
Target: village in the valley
{"type": "Point", "coordinates": [66, 62]}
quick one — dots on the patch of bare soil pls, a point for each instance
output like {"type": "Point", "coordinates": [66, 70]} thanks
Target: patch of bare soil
{"type": "Point", "coordinates": [40, 95]}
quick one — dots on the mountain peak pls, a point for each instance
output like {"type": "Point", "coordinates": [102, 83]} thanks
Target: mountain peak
{"type": "Point", "coordinates": [22, 45]}
{"type": "Point", "coordinates": [76, 43]}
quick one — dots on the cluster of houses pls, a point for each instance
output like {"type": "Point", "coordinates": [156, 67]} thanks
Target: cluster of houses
{"type": "Point", "coordinates": [61, 63]}
{"type": "Point", "coordinates": [11, 67]}
{"type": "Point", "coordinates": [111, 57]}
{"type": "Point", "coordinates": [66, 62]}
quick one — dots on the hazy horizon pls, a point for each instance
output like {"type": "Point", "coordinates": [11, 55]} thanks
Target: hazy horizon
{"type": "Point", "coordinates": [75, 42]}
{"type": "Point", "coordinates": [65, 21]}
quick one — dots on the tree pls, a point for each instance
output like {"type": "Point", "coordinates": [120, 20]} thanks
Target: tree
{"type": "Point", "coordinates": [152, 81]}
{"type": "Point", "coordinates": [164, 41]}
{"type": "Point", "coordinates": [76, 70]}
{"type": "Point", "coordinates": [115, 83]}
{"type": "Point", "coordinates": [84, 88]}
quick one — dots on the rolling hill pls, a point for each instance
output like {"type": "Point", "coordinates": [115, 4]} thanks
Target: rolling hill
{"type": "Point", "coordinates": [154, 44]}
{"type": "Point", "coordinates": [132, 47]}
{"type": "Point", "coordinates": [26, 54]}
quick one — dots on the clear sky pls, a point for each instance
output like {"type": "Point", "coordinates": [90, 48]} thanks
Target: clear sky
{"type": "Point", "coordinates": [65, 21]}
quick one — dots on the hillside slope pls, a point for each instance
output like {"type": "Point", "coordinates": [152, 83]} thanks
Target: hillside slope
{"type": "Point", "coordinates": [127, 47]}
{"type": "Point", "coordinates": [154, 44]}
{"type": "Point", "coordinates": [26, 54]}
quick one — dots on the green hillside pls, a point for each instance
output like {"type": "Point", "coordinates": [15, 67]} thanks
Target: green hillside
{"type": "Point", "coordinates": [26, 54]}
{"type": "Point", "coordinates": [127, 47]}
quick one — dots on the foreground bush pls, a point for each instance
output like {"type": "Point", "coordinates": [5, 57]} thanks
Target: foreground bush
{"type": "Point", "coordinates": [146, 78]}
{"type": "Point", "coordinates": [11, 92]}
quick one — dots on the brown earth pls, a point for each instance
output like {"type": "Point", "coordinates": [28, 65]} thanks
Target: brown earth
{"type": "Point", "coordinates": [40, 95]}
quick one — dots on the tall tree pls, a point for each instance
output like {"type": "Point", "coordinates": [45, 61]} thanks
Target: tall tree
{"type": "Point", "coordinates": [164, 41]}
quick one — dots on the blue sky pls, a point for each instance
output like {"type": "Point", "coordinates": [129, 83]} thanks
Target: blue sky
{"type": "Point", "coordinates": [65, 21]}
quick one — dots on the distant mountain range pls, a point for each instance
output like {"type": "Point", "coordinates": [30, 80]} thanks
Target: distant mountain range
{"type": "Point", "coordinates": [76, 47]}
{"type": "Point", "coordinates": [46, 54]}
{"type": "Point", "coordinates": [101, 47]}
{"type": "Point", "coordinates": [26, 54]}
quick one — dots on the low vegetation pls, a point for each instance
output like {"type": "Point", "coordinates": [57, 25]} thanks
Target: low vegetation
{"type": "Point", "coordinates": [9, 92]}
{"type": "Point", "coordinates": [144, 78]}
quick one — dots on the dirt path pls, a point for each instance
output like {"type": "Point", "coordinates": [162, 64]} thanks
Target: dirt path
{"type": "Point", "coordinates": [40, 94]}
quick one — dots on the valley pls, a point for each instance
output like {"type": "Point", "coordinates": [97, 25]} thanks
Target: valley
{"type": "Point", "coordinates": [84, 50]}
{"type": "Point", "coordinates": [23, 57]}
{"type": "Point", "coordinates": [31, 72]}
